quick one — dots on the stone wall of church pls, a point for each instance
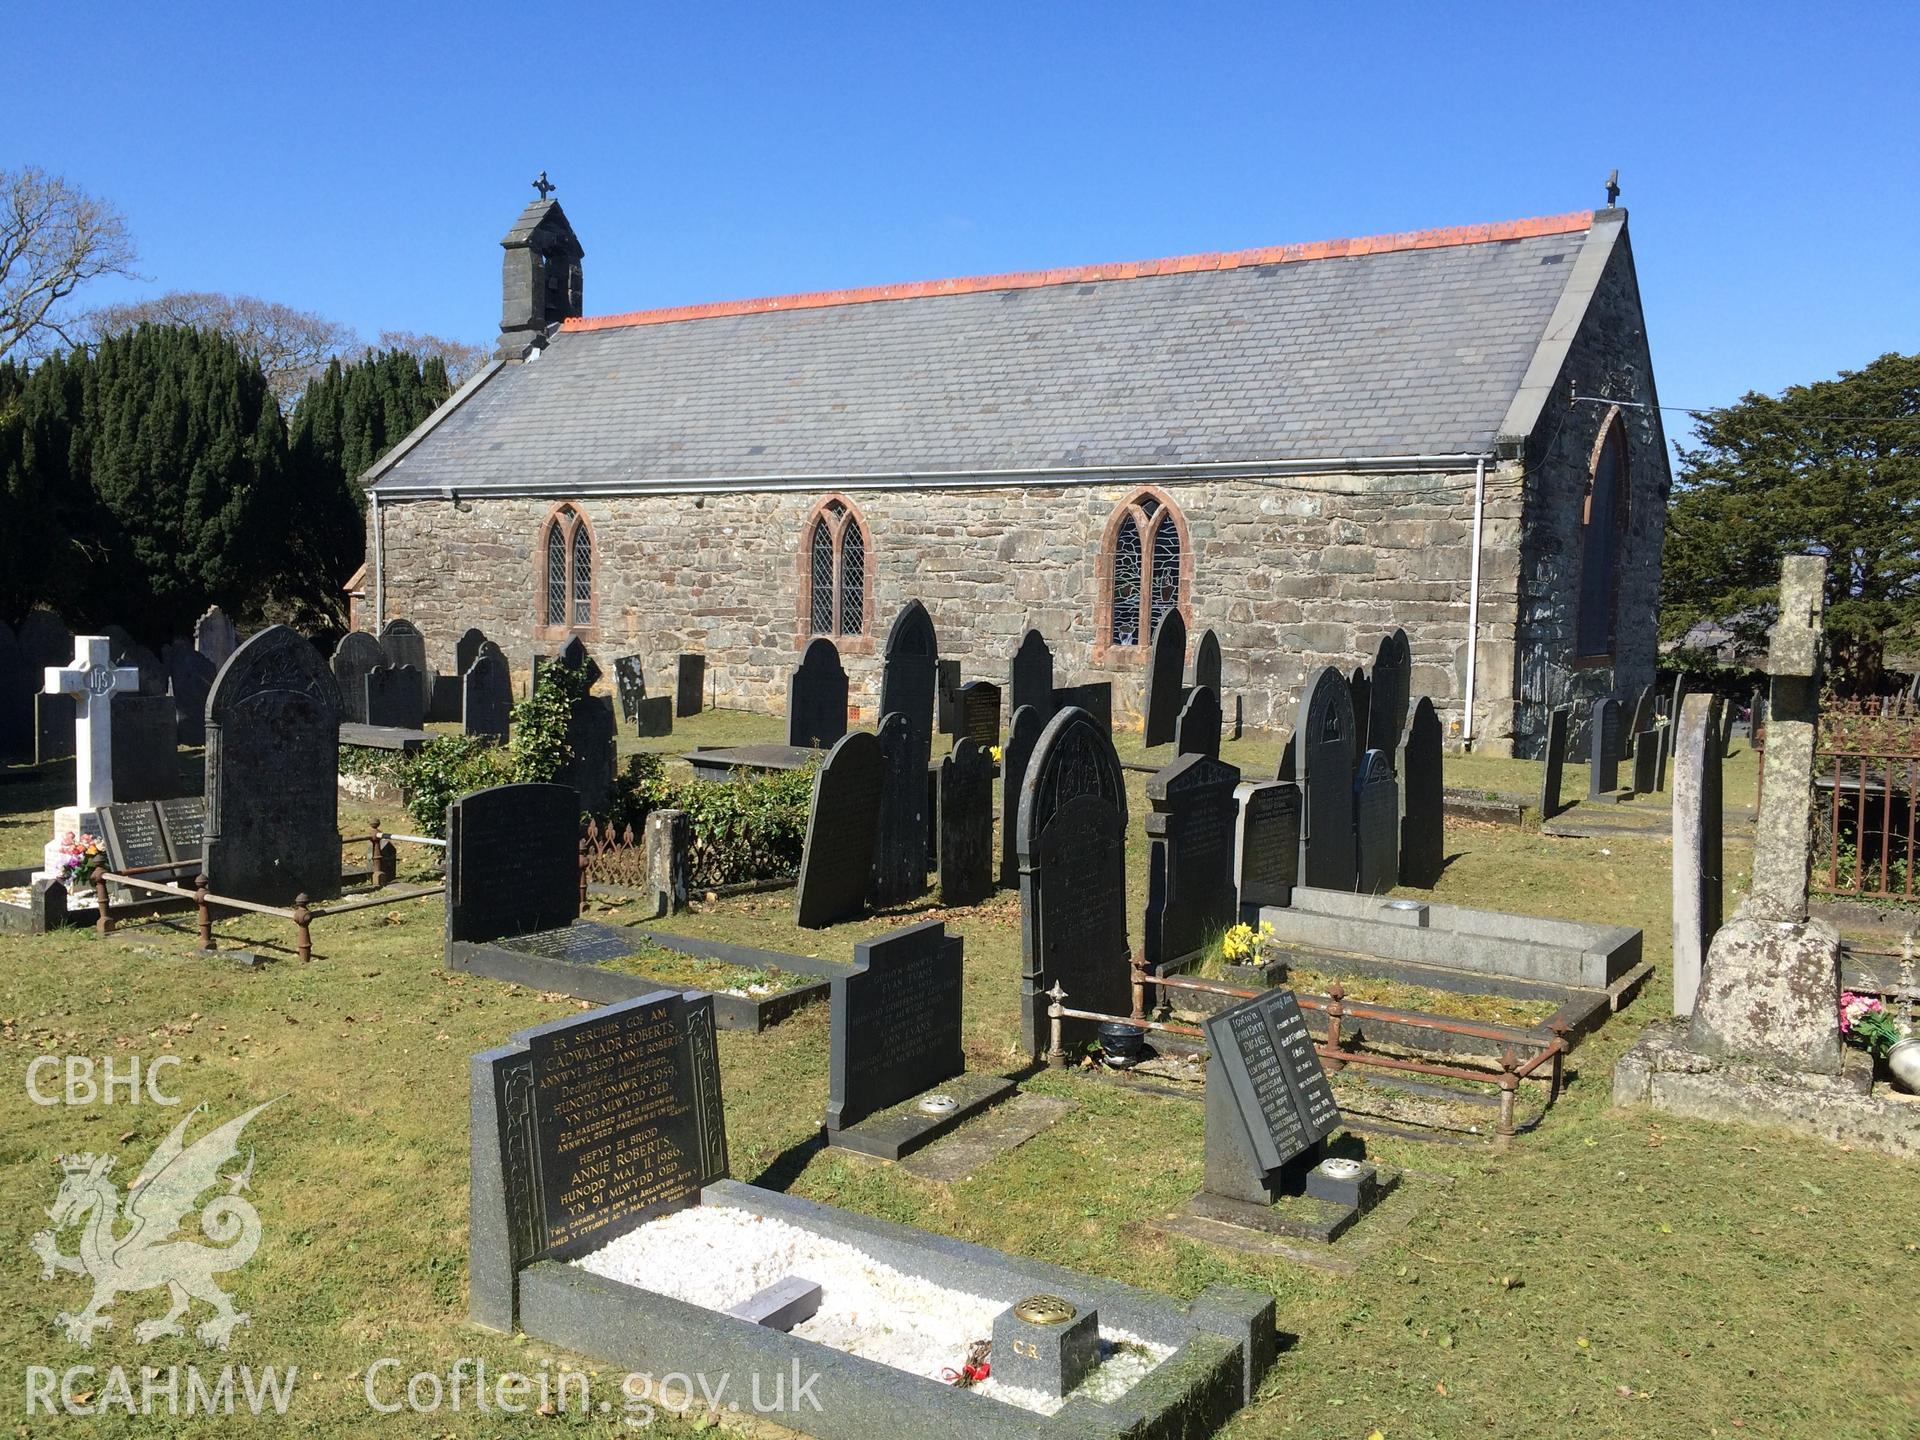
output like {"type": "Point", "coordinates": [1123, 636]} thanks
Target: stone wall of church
{"type": "Point", "coordinates": [1292, 573]}
{"type": "Point", "coordinates": [1608, 358]}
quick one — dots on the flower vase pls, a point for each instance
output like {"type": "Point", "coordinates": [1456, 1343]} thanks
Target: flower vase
{"type": "Point", "coordinates": [1904, 1061]}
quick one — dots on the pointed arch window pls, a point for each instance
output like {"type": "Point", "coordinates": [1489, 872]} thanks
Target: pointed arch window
{"type": "Point", "coordinates": [1145, 570]}
{"type": "Point", "coordinates": [836, 598]}
{"type": "Point", "coordinates": [566, 582]}
{"type": "Point", "coordinates": [1603, 535]}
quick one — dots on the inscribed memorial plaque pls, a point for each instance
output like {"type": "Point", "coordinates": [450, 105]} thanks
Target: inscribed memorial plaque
{"type": "Point", "coordinates": [895, 1022]}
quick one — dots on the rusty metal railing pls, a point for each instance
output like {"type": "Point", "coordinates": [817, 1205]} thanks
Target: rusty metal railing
{"type": "Point", "coordinates": [1868, 758]}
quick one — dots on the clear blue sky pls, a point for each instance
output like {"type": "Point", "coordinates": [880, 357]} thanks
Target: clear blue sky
{"type": "Point", "coordinates": [364, 160]}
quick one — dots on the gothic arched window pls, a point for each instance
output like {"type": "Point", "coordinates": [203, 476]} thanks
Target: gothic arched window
{"type": "Point", "coordinates": [836, 599]}
{"type": "Point", "coordinates": [1145, 570]}
{"type": "Point", "coordinates": [1603, 534]}
{"type": "Point", "coordinates": [566, 582]}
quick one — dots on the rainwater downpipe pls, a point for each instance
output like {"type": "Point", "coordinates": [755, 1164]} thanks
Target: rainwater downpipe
{"type": "Point", "coordinates": [1473, 595]}
{"type": "Point", "coordinates": [380, 578]}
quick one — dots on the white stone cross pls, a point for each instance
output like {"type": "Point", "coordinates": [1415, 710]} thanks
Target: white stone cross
{"type": "Point", "coordinates": [93, 681]}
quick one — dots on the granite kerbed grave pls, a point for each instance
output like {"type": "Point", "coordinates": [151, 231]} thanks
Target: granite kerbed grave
{"type": "Point", "coordinates": [897, 1073]}
{"type": "Point", "coordinates": [598, 1143]}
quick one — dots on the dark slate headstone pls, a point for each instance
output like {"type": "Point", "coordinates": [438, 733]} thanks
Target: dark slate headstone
{"type": "Point", "coordinates": [1288, 766]}
{"type": "Point", "coordinates": [1267, 843]}
{"type": "Point", "coordinates": [403, 643]}
{"type": "Point", "coordinates": [901, 839]}
{"type": "Point", "coordinates": [393, 697]}
{"type": "Point", "coordinates": [837, 859]}
{"type": "Point", "coordinates": [44, 640]}
{"type": "Point", "coordinates": [966, 824]}
{"type": "Point", "coordinates": [184, 819]}
{"type": "Point", "coordinates": [1023, 733]}
{"type": "Point", "coordinates": [1376, 830]}
{"type": "Point", "coordinates": [513, 862]}
{"type": "Point", "coordinates": [1166, 667]}
{"type": "Point", "coordinates": [1323, 758]}
{"type": "Point", "coordinates": [907, 671]}
{"type": "Point", "coordinates": [1603, 750]}
{"type": "Point", "coordinates": [1072, 829]}
{"type": "Point", "coordinates": [1361, 689]}
{"type": "Point", "coordinates": [980, 713]}
{"type": "Point", "coordinates": [1030, 677]}
{"type": "Point", "coordinates": [146, 755]}
{"type": "Point", "coordinates": [1095, 697]}
{"type": "Point", "coordinates": [689, 685]}
{"type": "Point", "coordinates": [356, 654]}
{"type": "Point", "coordinates": [1726, 732]}
{"type": "Point", "coordinates": [273, 754]}
{"type": "Point", "coordinates": [447, 703]}
{"type": "Point", "coordinates": [486, 697]}
{"type": "Point", "coordinates": [1638, 724]}
{"type": "Point", "coordinates": [817, 697]}
{"type": "Point", "coordinates": [1645, 749]}
{"type": "Point", "coordinates": [653, 717]}
{"type": "Point", "coordinates": [191, 681]}
{"type": "Point", "coordinates": [1206, 663]}
{"type": "Point", "coordinates": [467, 649]}
{"type": "Point", "coordinates": [1198, 729]}
{"type": "Point", "coordinates": [134, 838]}
{"type": "Point", "coordinates": [1423, 830]}
{"type": "Point", "coordinates": [53, 722]}
{"type": "Point", "coordinates": [1268, 1101]}
{"type": "Point", "coordinates": [130, 652]}
{"type": "Point", "coordinates": [18, 686]}
{"type": "Point", "coordinates": [1390, 693]}
{"type": "Point", "coordinates": [592, 738]}
{"type": "Point", "coordinates": [573, 656]}
{"type": "Point", "coordinates": [895, 1022]}
{"type": "Point", "coordinates": [584, 1129]}
{"type": "Point", "coordinates": [946, 697]}
{"type": "Point", "coordinates": [1667, 730]}
{"type": "Point", "coordinates": [1191, 891]}
{"type": "Point", "coordinates": [630, 683]}
{"type": "Point", "coordinates": [214, 636]}
{"type": "Point", "coordinates": [1559, 721]}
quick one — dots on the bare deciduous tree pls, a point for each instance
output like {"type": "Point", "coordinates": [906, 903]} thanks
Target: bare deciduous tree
{"type": "Point", "coordinates": [54, 237]}
{"type": "Point", "coordinates": [291, 346]}
{"type": "Point", "coordinates": [462, 359]}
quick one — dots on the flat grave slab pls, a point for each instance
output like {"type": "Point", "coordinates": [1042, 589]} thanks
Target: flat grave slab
{"type": "Point", "coordinates": [722, 763]}
{"type": "Point", "coordinates": [1009, 1125]}
{"type": "Point", "coordinates": [383, 737]}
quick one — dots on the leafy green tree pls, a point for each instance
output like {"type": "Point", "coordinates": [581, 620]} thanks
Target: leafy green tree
{"type": "Point", "coordinates": [1828, 468]}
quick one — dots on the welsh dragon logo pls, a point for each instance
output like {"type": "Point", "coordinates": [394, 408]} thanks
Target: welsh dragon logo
{"type": "Point", "coordinates": [149, 1254]}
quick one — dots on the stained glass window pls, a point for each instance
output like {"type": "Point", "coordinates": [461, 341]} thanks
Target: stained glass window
{"type": "Point", "coordinates": [1126, 584]}
{"type": "Point", "coordinates": [853, 579]}
{"type": "Point", "coordinates": [556, 608]}
{"type": "Point", "coordinates": [821, 618]}
{"type": "Point", "coordinates": [582, 575]}
{"type": "Point", "coordinates": [1166, 569]}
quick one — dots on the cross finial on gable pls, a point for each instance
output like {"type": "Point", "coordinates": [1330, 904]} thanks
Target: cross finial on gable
{"type": "Point", "coordinates": [1613, 187]}
{"type": "Point", "coordinates": [544, 186]}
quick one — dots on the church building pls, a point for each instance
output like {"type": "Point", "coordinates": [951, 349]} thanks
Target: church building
{"type": "Point", "coordinates": [1453, 431]}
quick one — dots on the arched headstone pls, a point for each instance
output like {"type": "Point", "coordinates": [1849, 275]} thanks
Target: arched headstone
{"type": "Point", "coordinates": [356, 654]}
{"type": "Point", "coordinates": [1030, 681]}
{"type": "Point", "coordinates": [1206, 663]}
{"type": "Point", "coordinates": [841, 819]}
{"type": "Point", "coordinates": [1023, 733]}
{"type": "Point", "coordinates": [1390, 692]}
{"type": "Point", "coordinates": [403, 643]}
{"type": "Point", "coordinates": [1323, 765]}
{"type": "Point", "coordinates": [1423, 838]}
{"type": "Point", "coordinates": [1376, 825]}
{"type": "Point", "coordinates": [817, 697]}
{"type": "Point", "coordinates": [1166, 693]}
{"type": "Point", "coordinates": [467, 649]}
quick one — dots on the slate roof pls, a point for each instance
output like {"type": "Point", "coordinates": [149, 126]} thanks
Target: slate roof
{"type": "Point", "coordinates": [1398, 345]}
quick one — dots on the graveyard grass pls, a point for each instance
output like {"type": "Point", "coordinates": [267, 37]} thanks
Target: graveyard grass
{"type": "Point", "coordinates": [1616, 1273]}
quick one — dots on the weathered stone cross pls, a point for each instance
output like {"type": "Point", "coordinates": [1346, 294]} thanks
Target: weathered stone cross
{"type": "Point", "coordinates": [93, 681]}
{"type": "Point", "coordinates": [1781, 847]}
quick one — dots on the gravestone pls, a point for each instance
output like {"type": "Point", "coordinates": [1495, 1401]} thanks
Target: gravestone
{"type": "Point", "coordinates": [448, 699]}
{"type": "Point", "coordinates": [966, 824]}
{"type": "Point", "coordinates": [46, 641]}
{"type": "Point", "coordinates": [1603, 751]}
{"type": "Point", "coordinates": [273, 751]}
{"type": "Point", "coordinates": [653, 717]}
{"type": "Point", "coordinates": [592, 740]}
{"type": "Point", "coordinates": [1206, 663]}
{"type": "Point", "coordinates": [837, 858]}
{"type": "Point", "coordinates": [689, 685]}
{"type": "Point", "coordinates": [1726, 731]}
{"type": "Point", "coordinates": [214, 636]}
{"type": "Point", "coordinates": [572, 656]}
{"type": "Point", "coordinates": [817, 697]}
{"type": "Point", "coordinates": [1559, 721]}
{"type": "Point", "coordinates": [93, 682]}
{"type": "Point", "coordinates": [582, 1130]}
{"type": "Point", "coordinates": [1266, 845]}
{"type": "Point", "coordinates": [129, 651]}
{"type": "Point", "coordinates": [1666, 731]}
{"type": "Point", "coordinates": [53, 721]}
{"type": "Point", "coordinates": [467, 649]}
{"type": "Point", "coordinates": [1030, 677]}
{"type": "Point", "coordinates": [1072, 829]}
{"type": "Point", "coordinates": [1423, 829]}
{"type": "Point", "coordinates": [19, 683]}
{"type": "Point", "coordinates": [1645, 749]}
{"type": "Point", "coordinates": [486, 697]}
{"type": "Point", "coordinates": [1323, 759]}
{"type": "Point", "coordinates": [1697, 844]}
{"type": "Point", "coordinates": [356, 654]}
{"type": "Point", "coordinates": [146, 755]}
{"type": "Point", "coordinates": [1023, 733]}
{"type": "Point", "coordinates": [1191, 890]}
{"type": "Point", "coordinates": [1376, 826]}
{"type": "Point", "coordinates": [403, 644]}
{"type": "Point", "coordinates": [184, 821]}
{"type": "Point", "coordinates": [908, 670]}
{"type": "Point", "coordinates": [630, 683]}
{"type": "Point", "coordinates": [946, 701]}
{"type": "Point", "coordinates": [1638, 724]}
{"type": "Point", "coordinates": [1095, 697]}
{"type": "Point", "coordinates": [1269, 1106]}
{"type": "Point", "coordinates": [513, 862]}
{"type": "Point", "coordinates": [1390, 693]}
{"type": "Point", "coordinates": [393, 697]}
{"type": "Point", "coordinates": [898, 867]}
{"type": "Point", "coordinates": [1166, 665]}
{"type": "Point", "coordinates": [1361, 690]}
{"type": "Point", "coordinates": [191, 681]}
{"type": "Point", "coordinates": [1770, 987]}
{"type": "Point", "coordinates": [1197, 732]}
{"type": "Point", "coordinates": [979, 713]}
{"type": "Point", "coordinates": [895, 1022]}
{"type": "Point", "coordinates": [135, 840]}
